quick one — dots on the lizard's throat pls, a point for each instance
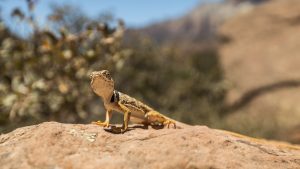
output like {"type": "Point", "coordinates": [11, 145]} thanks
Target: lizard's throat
{"type": "Point", "coordinates": [104, 90]}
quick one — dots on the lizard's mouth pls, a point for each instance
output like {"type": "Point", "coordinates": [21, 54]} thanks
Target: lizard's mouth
{"type": "Point", "coordinates": [92, 76]}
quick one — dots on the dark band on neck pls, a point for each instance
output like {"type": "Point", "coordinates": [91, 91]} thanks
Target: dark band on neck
{"type": "Point", "coordinates": [115, 97]}
{"type": "Point", "coordinates": [112, 99]}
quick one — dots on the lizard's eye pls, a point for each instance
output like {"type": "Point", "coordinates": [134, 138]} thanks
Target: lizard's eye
{"type": "Point", "coordinates": [108, 76]}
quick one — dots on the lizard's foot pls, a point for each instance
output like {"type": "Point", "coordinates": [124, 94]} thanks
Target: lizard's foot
{"type": "Point", "coordinates": [159, 119]}
{"type": "Point", "coordinates": [99, 123]}
{"type": "Point", "coordinates": [123, 131]}
{"type": "Point", "coordinates": [168, 122]}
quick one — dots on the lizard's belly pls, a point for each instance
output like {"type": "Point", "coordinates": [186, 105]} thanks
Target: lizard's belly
{"type": "Point", "coordinates": [137, 120]}
{"type": "Point", "coordinates": [136, 114]}
{"type": "Point", "coordinates": [135, 117]}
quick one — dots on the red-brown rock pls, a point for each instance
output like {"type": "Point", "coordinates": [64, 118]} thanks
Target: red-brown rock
{"type": "Point", "coordinates": [56, 145]}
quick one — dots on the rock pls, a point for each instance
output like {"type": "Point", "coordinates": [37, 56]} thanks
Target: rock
{"type": "Point", "coordinates": [56, 145]}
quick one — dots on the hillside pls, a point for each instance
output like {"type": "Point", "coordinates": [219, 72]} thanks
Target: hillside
{"type": "Point", "coordinates": [199, 25]}
{"type": "Point", "coordinates": [56, 145]}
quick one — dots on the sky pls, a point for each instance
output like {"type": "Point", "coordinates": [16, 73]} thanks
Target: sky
{"type": "Point", "coordinates": [135, 13]}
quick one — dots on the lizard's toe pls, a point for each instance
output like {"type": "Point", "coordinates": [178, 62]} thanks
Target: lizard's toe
{"type": "Point", "coordinates": [99, 123]}
{"type": "Point", "coordinates": [168, 122]}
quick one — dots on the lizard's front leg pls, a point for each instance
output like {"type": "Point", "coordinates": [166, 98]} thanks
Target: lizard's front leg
{"type": "Point", "coordinates": [107, 118]}
{"type": "Point", "coordinates": [126, 116]}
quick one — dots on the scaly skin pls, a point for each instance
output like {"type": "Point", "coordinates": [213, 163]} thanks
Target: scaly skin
{"type": "Point", "coordinates": [134, 110]}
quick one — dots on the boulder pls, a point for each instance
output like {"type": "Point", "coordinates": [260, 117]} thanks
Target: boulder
{"type": "Point", "coordinates": [57, 145]}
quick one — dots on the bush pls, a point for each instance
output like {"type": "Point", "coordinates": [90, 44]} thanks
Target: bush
{"type": "Point", "coordinates": [46, 75]}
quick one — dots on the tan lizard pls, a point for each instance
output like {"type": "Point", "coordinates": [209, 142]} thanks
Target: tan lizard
{"type": "Point", "coordinates": [134, 110]}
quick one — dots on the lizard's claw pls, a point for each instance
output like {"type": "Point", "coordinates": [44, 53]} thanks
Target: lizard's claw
{"type": "Point", "coordinates": [99, 123]}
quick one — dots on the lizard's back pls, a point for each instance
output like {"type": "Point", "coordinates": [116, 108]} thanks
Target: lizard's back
{"type": "Point", "coordinates": [136, 107]}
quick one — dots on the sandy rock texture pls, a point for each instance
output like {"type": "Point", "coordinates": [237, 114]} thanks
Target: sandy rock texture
{"type": "Point", "coordinates": [55, 145]}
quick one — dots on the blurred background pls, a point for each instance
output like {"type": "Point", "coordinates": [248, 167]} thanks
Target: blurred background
{"type": "Point", "coordinates": [227, 64]}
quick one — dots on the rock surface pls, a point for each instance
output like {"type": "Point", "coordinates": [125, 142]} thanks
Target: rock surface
{"type": "Point", "coordinates": [56, 145]}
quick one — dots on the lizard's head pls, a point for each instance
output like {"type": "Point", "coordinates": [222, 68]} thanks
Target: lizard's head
{"type": "Point", "coordinates": [103, 74]}
{"type": "Point", "coordinates": [102, 83]}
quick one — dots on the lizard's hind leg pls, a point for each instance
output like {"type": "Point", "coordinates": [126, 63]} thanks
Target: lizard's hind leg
{"type": "Point", "coordinates": [155, 118]}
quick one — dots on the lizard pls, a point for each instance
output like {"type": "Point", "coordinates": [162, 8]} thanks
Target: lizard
{"type": "Point", "coordinates": [134, 110]}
